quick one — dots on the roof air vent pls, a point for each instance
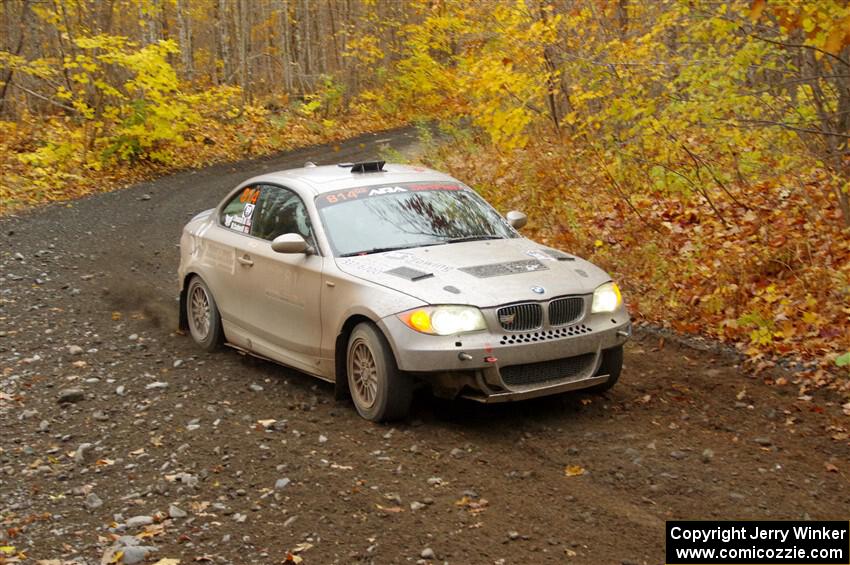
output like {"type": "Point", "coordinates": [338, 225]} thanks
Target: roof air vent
{"type": "Point", "coordinates": [309, 164]}
{"type": "Point", "coordinates": [368, 167]}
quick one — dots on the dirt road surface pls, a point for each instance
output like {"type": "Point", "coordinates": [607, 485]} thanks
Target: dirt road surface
{"type": "Point", "coordinates": [224, 459]}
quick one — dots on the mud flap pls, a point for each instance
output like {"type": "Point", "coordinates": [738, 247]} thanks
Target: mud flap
{"type": "Point", "coordinates": [183, 324]}
{"type": "Point", "coordinates": [341, 391]}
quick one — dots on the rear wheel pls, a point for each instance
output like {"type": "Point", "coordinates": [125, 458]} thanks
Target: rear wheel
{"type": "Point", "coordinates": [202, 314]}
{"type": "Point", "coordinates": [379, 390]}
{"type": "Point", "coordinates": [612, 365]}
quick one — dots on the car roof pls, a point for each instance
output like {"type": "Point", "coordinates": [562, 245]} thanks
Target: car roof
{"type": "Point", "coordinates": [329, 178]}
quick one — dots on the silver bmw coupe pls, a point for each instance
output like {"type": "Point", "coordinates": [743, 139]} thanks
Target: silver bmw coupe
{"type": "Point", "coordinates": [382, 277]}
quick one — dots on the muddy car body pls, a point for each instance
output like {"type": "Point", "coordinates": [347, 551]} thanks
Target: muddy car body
{"type": "Point", "coordinates": [378, 277]}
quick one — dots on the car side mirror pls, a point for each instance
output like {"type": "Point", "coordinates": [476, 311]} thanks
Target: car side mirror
{"type": "Point", "coordinates": [516, 219]}
{"type": "Point", "coordinates": [290, 243]}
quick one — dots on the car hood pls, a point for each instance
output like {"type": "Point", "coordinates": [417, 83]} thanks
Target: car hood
{"type": "Point", "coordinates": [479, 273]}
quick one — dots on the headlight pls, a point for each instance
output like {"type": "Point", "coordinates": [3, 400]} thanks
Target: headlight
{"type": "Point", "coordinates": [606, 298]}
{"type": "Point", "coordinates": [444, 320]}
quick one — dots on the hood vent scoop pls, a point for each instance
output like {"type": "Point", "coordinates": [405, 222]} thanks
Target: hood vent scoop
{"type": "Point", "coordinates": [409, 274]}
{"type": "Point", "coordinates": [501, 269]}
{"type": "Point", "coordinates": [558, 255]}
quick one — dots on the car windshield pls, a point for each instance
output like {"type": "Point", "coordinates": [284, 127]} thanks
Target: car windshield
{"type": "Point", "coordinates": [373, 219]}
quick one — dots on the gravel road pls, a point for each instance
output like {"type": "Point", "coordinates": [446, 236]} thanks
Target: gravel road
{"type": "Point", "coordinates": [123, 442]}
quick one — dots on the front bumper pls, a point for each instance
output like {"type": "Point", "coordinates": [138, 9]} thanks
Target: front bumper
{"type": "Point", "coordinates": [512, 396]}
{"type": "Point", "coordinates": [498, 366]}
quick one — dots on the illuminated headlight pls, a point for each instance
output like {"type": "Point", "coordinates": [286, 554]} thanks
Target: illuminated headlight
{"type": "Point", "coordinates": [606, 298]}
{"type": "Point", "coordinates": [444, 320]}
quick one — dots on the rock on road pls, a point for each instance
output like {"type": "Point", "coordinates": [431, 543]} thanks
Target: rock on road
{"type": "Point", "coordinates": [118, 435]}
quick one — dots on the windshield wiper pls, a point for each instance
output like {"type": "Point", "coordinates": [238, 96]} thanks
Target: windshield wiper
{"type": "Point", "coordinates": [473, 238]}
{"type": "Point", "coordinates": [385, 249]}
{"type": "Point", "coordinates": [424, 244]}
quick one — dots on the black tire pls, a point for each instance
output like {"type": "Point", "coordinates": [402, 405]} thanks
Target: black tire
{"type": "Point", "coordinates": [379, 390]}
{"type": "Point", "coordinates": [209, 335]}
{"type": "Point", "coordinates": [612, 364]}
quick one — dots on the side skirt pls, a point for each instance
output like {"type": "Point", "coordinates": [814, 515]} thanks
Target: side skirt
{"type": "Point", "coordinates": [244, 351]}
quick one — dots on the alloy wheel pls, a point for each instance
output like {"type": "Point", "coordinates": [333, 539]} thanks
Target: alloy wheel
{"type": "Point", "coordinates": [200, 313]}
{"type": "Point", "coordinates": [364, 373]}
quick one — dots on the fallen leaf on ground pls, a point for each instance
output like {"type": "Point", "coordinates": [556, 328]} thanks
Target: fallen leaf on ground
{"type": "Point", "coordinates": [151, 530]}
{"type": "Point", "coordinates": [472, 506]}
{"type": "Point", "coordinates": [301, 547]}
{"type": "Point", "coordinates": [573, 470]}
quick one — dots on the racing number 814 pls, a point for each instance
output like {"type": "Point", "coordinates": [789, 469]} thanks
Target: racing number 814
{"type": "Point", "coordinates": [343, 196]}
{"type": "Point", "coordinates": [250, 195]}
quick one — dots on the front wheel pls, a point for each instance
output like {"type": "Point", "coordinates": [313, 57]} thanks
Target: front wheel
{"type": "Point", "coordinates": [202, 315]}
{"type": "Point", "coordinates": [379, 390]}
{"type": "Point", "coordinates": [612, 365]}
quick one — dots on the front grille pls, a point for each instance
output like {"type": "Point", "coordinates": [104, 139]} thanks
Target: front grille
{"type": "Point", "coordinates": [520, 317]}
{"type": "Point", "coordinates": [555, 370]}
{"type": "Point", "coordinates": [564, 311]}
{"type": "Point", "coordinates": [544, 335]}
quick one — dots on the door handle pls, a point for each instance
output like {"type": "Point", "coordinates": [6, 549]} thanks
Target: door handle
{"type": "Point", "coordinates": [245, 260]}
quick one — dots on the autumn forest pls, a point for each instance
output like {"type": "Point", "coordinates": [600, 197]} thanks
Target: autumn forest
{"type": "Point", "coordinates": [698, 150]}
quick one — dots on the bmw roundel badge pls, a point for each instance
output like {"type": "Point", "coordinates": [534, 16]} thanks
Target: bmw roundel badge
{"type": "Point", "coordinates": [538, 289]}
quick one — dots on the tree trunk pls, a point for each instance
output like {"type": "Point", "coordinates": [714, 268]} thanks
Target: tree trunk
{"type": "Point", "coordinates": [300, 44]}
{"type": "Point", "coordinates": [306, 25]}
{"type": "Point", "coordinates": [6, 78]}
{"type": "Point", "coordinates": [184, 31]}
{"type": "Point", "coordinates": [332, 8]}
{"type": "Point", "coordinates": [241, 44]}
{"type": "Point", "coordinates": [623, 17]}
{"type": "Point", "coordinates": [151, 22]}
{"type": "Point", "coordinates": [281, 7]}
{"type": "Point", "coordinates": [223, 41]}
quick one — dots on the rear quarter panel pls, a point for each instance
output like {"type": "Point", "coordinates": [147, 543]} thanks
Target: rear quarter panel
{"type": "Point", "coordinates": [206, 250]}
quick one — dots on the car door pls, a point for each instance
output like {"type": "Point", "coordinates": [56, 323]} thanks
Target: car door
{"type": "Point", "coordinates": [224, 243]}
{"type": "Point", "coordinates": [281, 300]}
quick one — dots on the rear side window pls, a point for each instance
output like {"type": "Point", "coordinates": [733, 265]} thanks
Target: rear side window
{"type": "Point", "coordinates": [238, 214]}
{"type": "Point", "coordinates": [281, 211]}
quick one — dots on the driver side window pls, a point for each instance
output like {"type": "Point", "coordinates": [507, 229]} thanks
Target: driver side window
{"type": "Point", "coordinates": [281, 211]}
{"type": "Point", "coordinates": [238, 214]}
